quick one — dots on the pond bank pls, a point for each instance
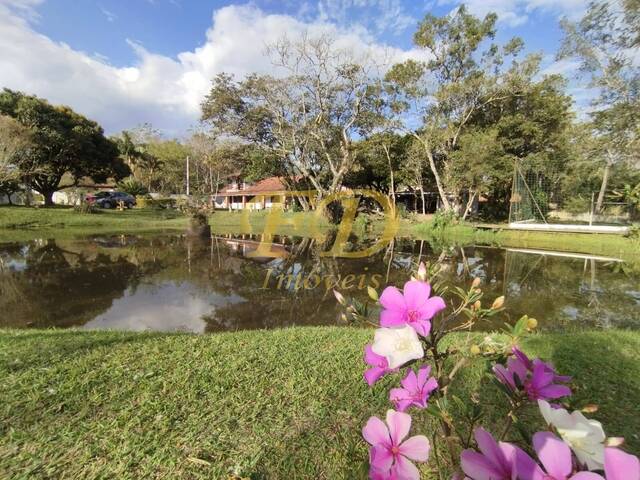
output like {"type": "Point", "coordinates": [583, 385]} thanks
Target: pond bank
{"type": "Point", "coordinates": [284, 403]}
{"type": "Point", "coordinates": [21, 223]}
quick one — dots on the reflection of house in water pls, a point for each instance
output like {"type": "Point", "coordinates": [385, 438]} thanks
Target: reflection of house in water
{"type": "Point", "coordinates": [245, 246]}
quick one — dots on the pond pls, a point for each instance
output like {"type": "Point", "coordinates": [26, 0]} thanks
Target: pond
{"type": "Point", "coordinates": [170, 283]}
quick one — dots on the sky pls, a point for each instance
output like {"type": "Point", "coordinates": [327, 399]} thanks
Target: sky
{"type": "Point", "coordinates": [128, 62]}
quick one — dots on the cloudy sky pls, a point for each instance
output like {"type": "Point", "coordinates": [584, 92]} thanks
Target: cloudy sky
{"type": "Point", "coordinates": [126, 62]}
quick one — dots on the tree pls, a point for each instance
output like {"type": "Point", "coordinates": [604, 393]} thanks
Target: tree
{"type": "Point", "coordinates": [63, 142]}
{"type": "Point", "coordinates": [308, 118]}
{"type": "Point", "coordinates": [605, 41]}
{"type": "Point", "coordinates": [531, 127]}
{"type": "Point", "coordinates": [465, 74]}
{"type": "Point", "coordinates": [14, 138]}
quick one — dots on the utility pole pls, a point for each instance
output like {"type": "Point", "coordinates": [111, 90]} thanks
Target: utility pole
{"type": "Point", "coordinates": [188, 175]}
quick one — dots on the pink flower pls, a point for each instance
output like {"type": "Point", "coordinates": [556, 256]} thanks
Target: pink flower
{"type": "Point", "coordinates": [413, 308]}
{"type": "Point", "coordinates": [535, 377]}
{"type": "Point", "coordinates": [379, 364]}
{"type": "Point", "coordinates": [496, 461]}
{"type": "Point", "coordinates": [555, 456]}
{"type": "Point", "coordinates": [416, 389]}
{"type": "Point", "coordinates": [389, 456]}
{"type": "Point", "coordinates": [619, 465]}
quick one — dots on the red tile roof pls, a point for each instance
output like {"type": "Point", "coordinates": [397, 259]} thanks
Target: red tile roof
{"type": "Point", "coordinates": [271, 184]}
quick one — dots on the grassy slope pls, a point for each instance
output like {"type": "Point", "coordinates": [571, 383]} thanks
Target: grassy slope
{"type": "Point", "coordinates": [279, 404]}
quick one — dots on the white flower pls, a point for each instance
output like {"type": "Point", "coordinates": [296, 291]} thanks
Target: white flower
{"type": "Point", "coordinates": [585, 437]}
{"type": "Point", "coordinates": [398, 345]}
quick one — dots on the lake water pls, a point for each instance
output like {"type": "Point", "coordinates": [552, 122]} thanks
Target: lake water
{"type": "Point", "coordinates": [170, 283]}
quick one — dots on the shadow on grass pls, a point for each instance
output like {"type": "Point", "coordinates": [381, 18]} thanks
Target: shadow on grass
{"type": "Point", "coordinates": [606, 372]}
{"type": "Point", "coordinates": [41, 348]}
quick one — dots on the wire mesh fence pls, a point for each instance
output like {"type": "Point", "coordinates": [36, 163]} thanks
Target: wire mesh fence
{"type": "Point", "coordinates": [537, 198]}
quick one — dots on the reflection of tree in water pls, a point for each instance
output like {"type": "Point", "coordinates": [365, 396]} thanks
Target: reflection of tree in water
{"type": "Point", "coordinates": [58, 287]}
{"type": "Point", "coordinates": [71, 282]}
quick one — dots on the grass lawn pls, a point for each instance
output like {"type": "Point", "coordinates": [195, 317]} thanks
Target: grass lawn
{"type": "Point", "coordinates": [24, 223]}
{"type": "Point", "coordinates": [282, 404]}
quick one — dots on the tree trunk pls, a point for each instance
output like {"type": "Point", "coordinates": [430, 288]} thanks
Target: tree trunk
{"type": "Point", "coordinates": [48, 198]}
{"type": "Point", "coordinates": [392, 188]}
{"type": "Point", "coordinates": [603, 186]}
{"type": "Point", "coordinates": [436, 175]}
{"type": "Point", "coordinates": [469, 204]}
{"type": "Point", "coordinates": [424, 207]}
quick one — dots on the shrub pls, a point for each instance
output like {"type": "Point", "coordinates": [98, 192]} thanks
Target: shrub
{"type": "Point", "coordinates": [132, 186]}
{"type": "Point", "coordinates": [86, 208]}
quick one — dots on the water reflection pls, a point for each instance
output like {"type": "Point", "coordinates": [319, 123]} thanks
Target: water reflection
{"type": "Point", "coordinates": [169, 283]}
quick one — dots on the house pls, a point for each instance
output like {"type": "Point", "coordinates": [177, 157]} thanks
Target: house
{"type": "Point", "coordinates": [240, 195]}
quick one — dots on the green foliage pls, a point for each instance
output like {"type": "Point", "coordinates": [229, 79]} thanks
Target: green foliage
{"type": "Point", "coordinates": [62, 142]}
{"type": "Point", "coordinates": [132, 186]}
{"type": "Point", "coordinates": [577, 204]}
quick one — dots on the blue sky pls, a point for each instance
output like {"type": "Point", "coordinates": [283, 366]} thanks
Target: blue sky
{"type": "Point", "coordinates": [123, 62]}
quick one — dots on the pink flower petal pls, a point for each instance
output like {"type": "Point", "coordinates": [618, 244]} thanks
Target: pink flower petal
{"type": "Point", "coordinates": [489, 447]}
{"type": "Point", "coordinates": [392, 318]}
{"type": "Point", "coordinates": [554, 454]}
{"type": "Point", "coordinates": [392, 299]}
{"type": "Point", "coordinates": [416, 448]}
{"type": "Point", "coordinates": [619, 465]}
{"type": "Point", "coordinates": [423, 374]}
{"type": "Point", "coordinates": [399, 425]}
{"type": "Point", "coordinates": [477, 466]}
{"type": "Point", "coordinates": [431, 308]}
{"type": "Point", "coordinates": [375, 432]}
{"type": "Point", "coordinates": [554, 391]}
{"type": "Point", "coordinates": [405, 470]}
{"type": "Point", "coordinates": [380, 457]}
{"type": "Point", "coordinates": [527, 468]}
{"type": "Point", "coordinates": [401, 398]}
{"type": "Point", "coordinates": [372, 375]}
{"type": "Point", "coordinates": [373, 359]}
{"type": "Point", "coordinates": [410, 382]}
{"type": "Point", "coordinates": [422, 327]}
{"type": "Point", "coordinates": [504, 375]}
{"type": "Point", "coordinates": [416, 293]}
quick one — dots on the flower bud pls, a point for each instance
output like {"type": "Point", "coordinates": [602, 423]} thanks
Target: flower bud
{"type": "Point", "coordinates": [373, 295]}
{"type": "Point", "coordinates": [477, 305]}
{"type": "Point", "coordinates": [532, 323]}
{"type": "Point", "coordinates": [475, 350]}
{"type": "Point", "coordinates": [591, 408]}
{"type": "Point", "coordinates": [475, 283]}
{"type": "Point", "coordinates": [339, 297]}
{"type": "Point", "coordinates": [422, 272]}
{"type": "Point", "coordinates": [497, 303]}
{"type": "Point", "coordinates": [614, 442]}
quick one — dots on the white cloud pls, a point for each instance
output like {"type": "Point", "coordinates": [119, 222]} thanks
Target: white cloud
{"type": "Point", "coordinates": [381, 15]}
{"type": "Point", "coordinates": [156, 88]}
{"type": "Point", "coordinates": [110, 16]}
{"type": "Point", "coordinates": [516, 12]}
{"type": "Point", "coordinates": [566, 67]}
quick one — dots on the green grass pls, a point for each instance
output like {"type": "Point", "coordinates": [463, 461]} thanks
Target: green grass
{"type": "Point", "coordinates": [281, 404]}
{"type": "Point", "coordinates": [24, 223]}
{"type": "Point", "coordinates": [467, 234]}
